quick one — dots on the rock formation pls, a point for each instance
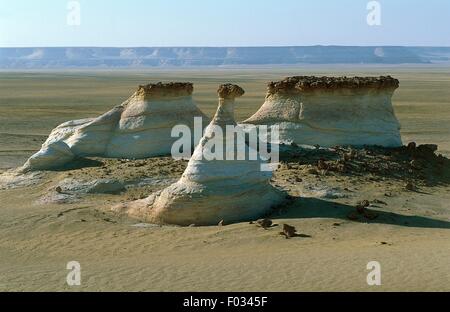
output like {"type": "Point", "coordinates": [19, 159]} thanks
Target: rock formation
{"type": "Point", "coordinates": [212, 190]}
{"type": "Point", "coordinates": [139, 128]}
{"type": "Point", "coordinates": [329, 111]}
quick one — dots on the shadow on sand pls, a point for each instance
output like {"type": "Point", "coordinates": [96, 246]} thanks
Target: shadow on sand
{"type": "Point", "coordinates": [79, 163]}
{"type": "Point", "coordinates": [316, 208]}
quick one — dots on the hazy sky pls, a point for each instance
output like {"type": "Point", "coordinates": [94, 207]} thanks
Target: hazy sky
{"type": "Point", "coordinates": [222, 23]}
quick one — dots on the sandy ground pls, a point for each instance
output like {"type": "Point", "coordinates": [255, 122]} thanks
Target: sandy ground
{"type": "Point", "coordinates": [42, 227]}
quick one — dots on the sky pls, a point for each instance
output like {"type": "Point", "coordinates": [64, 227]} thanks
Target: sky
{"type": "Point", "coordinates": [151, 23]}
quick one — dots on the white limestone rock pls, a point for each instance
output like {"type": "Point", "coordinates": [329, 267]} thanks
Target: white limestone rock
{"type": "Point", "coordinates": [51, 156]}
{"type": "Point", "coordinates": [139, 128]}
{"type": "Point", "coordinates": [212, 190]}
{"type": "Point", "coordinates": [332, 111]}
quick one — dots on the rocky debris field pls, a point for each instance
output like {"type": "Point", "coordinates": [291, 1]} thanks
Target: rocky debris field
{"type": "Point", "coordinates": [414, 165]}
{"type": "Point", "coordinates": [339, 174]}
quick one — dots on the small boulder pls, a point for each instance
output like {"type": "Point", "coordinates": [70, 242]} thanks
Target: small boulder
{"type": "Point", "coordinates": [412, 146]}
{"type": "Point", "coordinates": [289, 231]}
{"type": "Point", "coordinates": [106, 187]}
{"type": "Point", "coordinates": [322, 165]}
{"type": "Point", "coordinates": [361, 206]}
{"type": "Point", "coordinates": [312, 171]}
{"type": "Point", "coordinates": [410, 186]}
{"type": "Point", "coordinates": [264, 223]}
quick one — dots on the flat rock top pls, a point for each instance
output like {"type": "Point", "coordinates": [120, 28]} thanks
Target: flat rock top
{"type": "Point", "coordinates": [230, 91]}
{"type": "Point", "coordinates": [310, 83]}
{"type": "Point", "coordinates": [166, 89]}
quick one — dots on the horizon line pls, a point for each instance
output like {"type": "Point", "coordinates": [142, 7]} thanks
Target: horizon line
{"type": "Point", "coordinates": [219, 47]}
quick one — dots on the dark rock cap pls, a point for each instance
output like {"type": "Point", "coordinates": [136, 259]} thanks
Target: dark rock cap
{"type": "Point", "coordinates": [161, 89]}
{"type": "Point", "coordinates": [228, 91]}
{"type": "Point", "coordinates": [298, 84]}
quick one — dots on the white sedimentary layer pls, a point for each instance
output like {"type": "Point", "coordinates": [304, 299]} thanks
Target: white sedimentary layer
{"type": "Point", "coordinates": [332, 111]}
{"type": "Point", "coordinates": [212, 190]}
{"type": "Point", "coordinates": [139, 128]}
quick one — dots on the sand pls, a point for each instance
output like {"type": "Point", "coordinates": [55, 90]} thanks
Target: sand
{"type": "Point", "coordinates": [42, 230]}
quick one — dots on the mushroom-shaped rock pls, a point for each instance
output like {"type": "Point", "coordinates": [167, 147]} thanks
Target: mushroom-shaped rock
{"type": "Point", "coordinates": [330, 111]}
{"type": "Point", "coordinates": [215, 186]}
{"type": "Point", "coordinates": [140, 127]}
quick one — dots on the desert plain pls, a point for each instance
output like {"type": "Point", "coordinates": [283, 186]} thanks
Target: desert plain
{"type": "Point", "coordinates": [41, 229]}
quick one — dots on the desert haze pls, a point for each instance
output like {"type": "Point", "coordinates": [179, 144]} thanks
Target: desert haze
{"type": "Point", "coordinates": [96, 57]}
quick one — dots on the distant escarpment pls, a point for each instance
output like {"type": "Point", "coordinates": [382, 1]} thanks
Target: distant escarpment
{"type": "Point", "coordinates": [23, 58]}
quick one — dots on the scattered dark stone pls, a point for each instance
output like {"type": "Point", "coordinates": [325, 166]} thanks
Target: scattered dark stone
{"type": "Point", "coordinates": [380, 202]}
{"type": "Point", "coordinates": [410, 186]}
{"type": "Point", "coordinates": [346, 157]}
{"type": "Point", "coordinates": [58, 189]}
{"type": "Point", "coordinates": [313, 171]}
{"type": "Point", "coordinates": [428, 148]}
{"type": "Point", "coordinates": [412, 146]}
{"type": "Point", "coordinates": [361, 206]}
{"type": "Point", "coordinates": [416, 164]}
{"type": "Point", "coordinates": [289, 231]}
{"type": "Point", "coordinates": [264, 223]}
{"type": "Point", "coordinates": [336, 224]}
{"type": "Point", "coordinates": [365, 203]}
{"type": "Point", "coordinates": [322, 165]}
